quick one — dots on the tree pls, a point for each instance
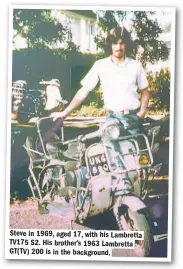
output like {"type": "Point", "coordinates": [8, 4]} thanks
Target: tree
{"type": "Point", "coordinates": [145, 31]}
{"type": "Point", "coordinates": [38, 27]}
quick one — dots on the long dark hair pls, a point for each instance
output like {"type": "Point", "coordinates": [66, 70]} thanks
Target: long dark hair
{"type": "Point", "coordinates": [116, 34]}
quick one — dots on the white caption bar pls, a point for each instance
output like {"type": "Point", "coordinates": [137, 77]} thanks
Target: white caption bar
{"type": "Point", "coordinates": [64, 244]}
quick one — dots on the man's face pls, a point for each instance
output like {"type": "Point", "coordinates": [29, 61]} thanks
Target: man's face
{"type": "Point", "coordinates": [118, 49]}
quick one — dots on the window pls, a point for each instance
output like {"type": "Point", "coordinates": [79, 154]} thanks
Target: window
{"type": "Point", "coordinates": [92, 26]}
{"type": "Point", "coordinates": [87, 28]}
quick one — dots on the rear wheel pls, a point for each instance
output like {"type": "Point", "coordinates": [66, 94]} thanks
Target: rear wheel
{"type": "Point", "coordinates": [22, 118]}
{"type": "Point", "coordinates": [26, 110]}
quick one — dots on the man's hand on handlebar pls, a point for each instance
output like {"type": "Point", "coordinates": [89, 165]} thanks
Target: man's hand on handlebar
{"type": "Point", "coordinates": [59, 115]}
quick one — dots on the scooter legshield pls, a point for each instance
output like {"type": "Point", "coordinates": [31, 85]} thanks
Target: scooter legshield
{"type": "Point", "coordinates": [101, 179]}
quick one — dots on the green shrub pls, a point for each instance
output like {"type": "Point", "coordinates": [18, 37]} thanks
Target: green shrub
{"type": "Point", "coordinates": [89, 111]}
{"type": "Point", "coordinates": [159, 87]}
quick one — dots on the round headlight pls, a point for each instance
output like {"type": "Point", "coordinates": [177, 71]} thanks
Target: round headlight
{"type": "Point", "coordinates": [111, 132]}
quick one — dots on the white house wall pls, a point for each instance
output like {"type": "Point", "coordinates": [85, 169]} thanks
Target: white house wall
{"type": "Point", "coordinates": [81, 32]}
{"type": "Point", "coordinates": [76, 33]}
{"type": "Point", "coordinates": [82, 37]}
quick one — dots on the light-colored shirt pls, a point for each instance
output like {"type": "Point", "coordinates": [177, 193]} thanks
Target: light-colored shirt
{"type": "Point", "coordinates": [119, 83]}
{"type": "Point", "coordinates": [53, 97]}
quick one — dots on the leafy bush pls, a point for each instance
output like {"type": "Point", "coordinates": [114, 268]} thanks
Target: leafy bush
{"type": "Point", "coordinates": [89, 111]}
{"type": "Point", "coordinates": [159, 86]}
{"type": "Point", "coordinates": [93, 106]}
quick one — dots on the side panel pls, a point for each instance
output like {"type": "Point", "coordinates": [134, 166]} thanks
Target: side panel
{"type": "Point", "coordinates": [101, 194]}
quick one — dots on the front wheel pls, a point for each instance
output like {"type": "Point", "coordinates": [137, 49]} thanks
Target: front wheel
{"type": "Point", "coordinates": [135, 221]}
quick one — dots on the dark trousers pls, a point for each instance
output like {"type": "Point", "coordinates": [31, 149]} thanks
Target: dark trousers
{"type": "Point", "coordinates": [54, 128]}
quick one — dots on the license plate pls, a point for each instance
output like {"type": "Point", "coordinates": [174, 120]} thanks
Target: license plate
{"type": "Point", "coordinates": [98, 164]}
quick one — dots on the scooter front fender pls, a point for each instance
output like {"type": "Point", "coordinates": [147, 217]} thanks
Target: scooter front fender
{"type": "Point", "coordinates": [133, 202]}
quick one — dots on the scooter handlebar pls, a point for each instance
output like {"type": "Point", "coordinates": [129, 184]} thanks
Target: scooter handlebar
{"type": "Point", "coordinates": [90, 136]}
{"type": "Point", "coordinates": [83, 138]}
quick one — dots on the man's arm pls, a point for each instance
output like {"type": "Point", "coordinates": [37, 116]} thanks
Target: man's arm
{"type": "Point", "coordinates": [78, 99]}
{"type": "Point", "coordinates": [88, 83]}
{"type": "Point", "coordinates": [144, 103]}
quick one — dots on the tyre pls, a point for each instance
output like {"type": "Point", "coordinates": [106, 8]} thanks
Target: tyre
{"type": "Point", "coordinates": [135, 221]}
{"type": "Point", "coordinates": [26, 110]}
{"type": "Point", "coordinates": [22, 118]}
